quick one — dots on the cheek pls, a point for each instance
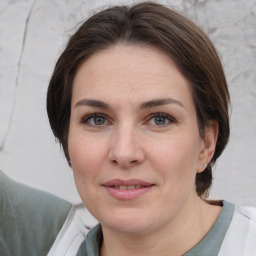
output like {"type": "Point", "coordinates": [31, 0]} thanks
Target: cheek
{"type": "Point", "coordinates": [88, 157]}
{"type": "Point", "coordinates": [179, 151]}
{"type": "Point", "coordinates": [86, 154]}
{"type": "Point", "coordinates": [86, 162]}
{"type": "Point", "coordinates": [176, 159]}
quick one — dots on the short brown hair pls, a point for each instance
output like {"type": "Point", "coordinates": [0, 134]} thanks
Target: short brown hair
{"type": "Point", "coordinates": [147, 23]}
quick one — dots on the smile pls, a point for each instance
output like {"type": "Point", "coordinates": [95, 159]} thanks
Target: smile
{"type": "Point", "coordinates": [127, 190]}
{"type": "Point", "coordinates": [128, 187]}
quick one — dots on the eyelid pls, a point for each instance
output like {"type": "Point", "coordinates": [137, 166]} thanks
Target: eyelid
{"type": "Point", "coordinates": [85, 119]}
{"type": "Point", "coordinates": [164, 115]}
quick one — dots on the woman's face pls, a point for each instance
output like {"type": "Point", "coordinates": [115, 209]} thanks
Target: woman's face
{"type": "Point", "coordinates": [133, 140]}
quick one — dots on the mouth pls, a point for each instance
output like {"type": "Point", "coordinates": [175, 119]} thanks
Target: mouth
{"type": "Point", "coordinates": [127, 189]}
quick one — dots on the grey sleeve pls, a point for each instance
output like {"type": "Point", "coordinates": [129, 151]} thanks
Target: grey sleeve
{"type": "Point", "coordinates": [30, 219]}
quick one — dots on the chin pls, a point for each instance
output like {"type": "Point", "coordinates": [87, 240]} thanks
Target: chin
{"type": "Point", "coordinates": [127, 228]}
{"type": "Point", "coordinates": [128, 221]}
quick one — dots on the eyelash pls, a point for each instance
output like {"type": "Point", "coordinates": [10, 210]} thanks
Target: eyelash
{"type": "Point", "coordinates": [167, 117]}
{"type": "Point", "coordinates": [86, 119]}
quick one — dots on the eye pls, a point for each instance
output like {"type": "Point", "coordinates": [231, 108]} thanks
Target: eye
{"type": "Point", "coordinates": [95, 120]}
{"type": "Point", "coordinates": [160, 119]}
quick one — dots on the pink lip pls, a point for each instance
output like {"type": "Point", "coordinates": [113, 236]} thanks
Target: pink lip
{"type": "Point", "coordinates": [127, 194]}
{"type": "Point", "coordinates": [118, 182]}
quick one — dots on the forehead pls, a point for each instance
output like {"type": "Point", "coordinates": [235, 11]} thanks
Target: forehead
{"type": "Point", "coordinates": [130, 70]}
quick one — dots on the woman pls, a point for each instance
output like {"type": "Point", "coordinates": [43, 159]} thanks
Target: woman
{"type": "Point", "coordinates": [139, 102]}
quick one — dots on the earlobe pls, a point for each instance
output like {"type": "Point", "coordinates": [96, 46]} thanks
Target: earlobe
{"type": "Point", "coordinates": [208, 144]}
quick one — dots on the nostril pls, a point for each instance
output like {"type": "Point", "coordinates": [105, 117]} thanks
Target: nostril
{"type": "Point", "coordinates": [128, 163]}
{"type": "Point", "coordinates": [114, 161]}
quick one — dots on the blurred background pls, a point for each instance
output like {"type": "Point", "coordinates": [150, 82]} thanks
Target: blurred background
{"type": "Point", "coordinates": [33, 33]}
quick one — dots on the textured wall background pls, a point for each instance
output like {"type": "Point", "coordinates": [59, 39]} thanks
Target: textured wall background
{"type": "Point", "coordinates": [33, 34]}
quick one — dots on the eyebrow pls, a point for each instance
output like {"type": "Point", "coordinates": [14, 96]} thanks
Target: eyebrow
{"type": "Point", "coordinates": [92, 103]}
{"type": "Point", "coordinates": [144, 105]}
{"type": "Point", "coordinates": [159, 102]}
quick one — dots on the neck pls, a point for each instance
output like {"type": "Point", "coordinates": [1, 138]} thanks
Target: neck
{"type": "Point", "coordinates": [174, 239]}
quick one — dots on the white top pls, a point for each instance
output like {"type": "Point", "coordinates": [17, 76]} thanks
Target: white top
{"type": "Point", "coordinates": [77, 225]}
{"type": "Point", "coordinates": [240, 239]}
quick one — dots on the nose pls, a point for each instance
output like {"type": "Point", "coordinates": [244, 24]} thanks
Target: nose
{"type": "Point", "coordinates": [126, 150]}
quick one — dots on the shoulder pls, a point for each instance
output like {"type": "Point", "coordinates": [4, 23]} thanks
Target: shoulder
{"type": "Point", "coordinates": [14, 194]}
{"type": "Point", "coordinates": [247, 212]}
{"type": "Point", "coordinates": [79, 222]}
{"type": "Point", "coordinates": [30, 219]}
{"type": "Point", "coordinates": [240, 238]}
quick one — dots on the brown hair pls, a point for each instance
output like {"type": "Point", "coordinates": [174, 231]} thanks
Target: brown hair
{"type": "Point", "coordinates": [150, 24]}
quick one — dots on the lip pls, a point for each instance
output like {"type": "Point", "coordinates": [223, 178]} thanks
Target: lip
{"type": "Point", "coordinates": [119, 182]}
{"type": "Point", "coordinates": [127, 194]}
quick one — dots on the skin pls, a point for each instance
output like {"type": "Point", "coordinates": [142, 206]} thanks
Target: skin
{"type": "Point", "coordinates": [130, 140]}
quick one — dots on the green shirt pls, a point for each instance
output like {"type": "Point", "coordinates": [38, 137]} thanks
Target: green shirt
{"type": "Point", "coordinates": [30, 219]}
{"type": "Point", "coordinates": [209, 246]}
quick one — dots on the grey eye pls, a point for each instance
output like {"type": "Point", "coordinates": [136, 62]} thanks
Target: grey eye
{"type": "Point", "coordinates": [159, 120]}
{"type": "Point", "coordinates": [98, 120]}
{"type": "Point", "coordinates": [94, 120]}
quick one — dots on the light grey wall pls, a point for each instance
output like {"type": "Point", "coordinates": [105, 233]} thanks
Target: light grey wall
{"type": "Point", "coordinates": [32, 35]}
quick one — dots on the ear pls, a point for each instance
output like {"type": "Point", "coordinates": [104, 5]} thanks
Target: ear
{"type": "Point", "coordinates": [208, 145]}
